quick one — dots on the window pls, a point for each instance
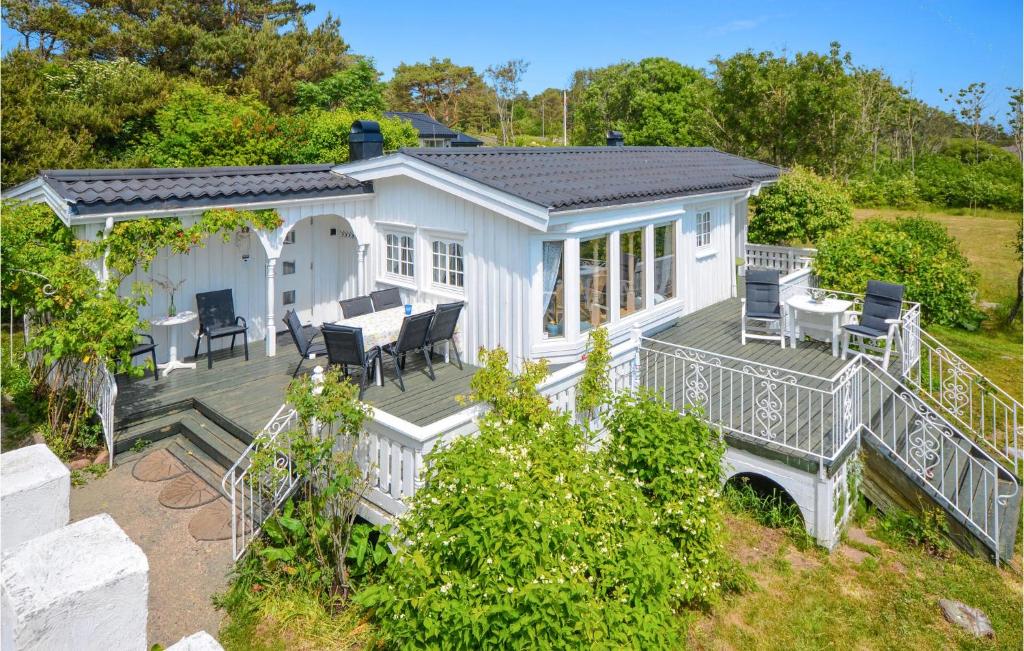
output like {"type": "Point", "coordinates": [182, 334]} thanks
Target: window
{"type": "Point", "coordinates": [593, 282]}
{"type": "Point", "coordinates": [288, 267]}
{"type": "Point", "coordinates": [288, 297]}
{"type": "Point", "coordinates": [664, 263]}
{"type": "Point", "coordinates": [554, 289]}
{"type": "Point", "coordinates": [631, 272]}
{"type": "Point", "coordinates": [289, 237]}
{"type": "Point", "coordinates": [399, 255]}
{"type": "Point", "coordinates": [704, 228]}
{"type": "Point", "coordinates": [448, 263]}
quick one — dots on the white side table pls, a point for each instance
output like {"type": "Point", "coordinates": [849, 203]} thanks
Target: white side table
{"type": "Point", "coordinates": [830, 307]}
{"type": "Point", "coordinates": [180, 318]}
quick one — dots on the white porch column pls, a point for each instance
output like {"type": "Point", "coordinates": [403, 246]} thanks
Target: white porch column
{"type": "Point", "coordinates": [108, 226]}
{"type": "Point", "coordinates": [361, 274]}
{"type": "Point", "coordinates": [271, 345]}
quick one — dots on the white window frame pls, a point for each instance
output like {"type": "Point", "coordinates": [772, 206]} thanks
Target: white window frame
{"type": "Point", "coordinates": [703, 226]}
{"type": "Point", "coordinates": [404, 265]}
{"type": "Point", "coordinates": [443, 271]}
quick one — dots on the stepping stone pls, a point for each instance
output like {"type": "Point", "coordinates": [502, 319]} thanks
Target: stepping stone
{"type": "Point", "coordinates": [159, 465]}
{"type": "Point", "coordinates": [213, 522]}
{"type": "Point", "coordinates": [187, 492]}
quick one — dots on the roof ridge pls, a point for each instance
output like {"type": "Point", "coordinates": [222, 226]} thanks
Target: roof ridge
{"type": "Point", "coordinates": [180, 172]}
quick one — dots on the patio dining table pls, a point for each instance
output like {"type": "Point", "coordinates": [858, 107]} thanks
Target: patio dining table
{"type": "Point", "coordinates": [382, 327]}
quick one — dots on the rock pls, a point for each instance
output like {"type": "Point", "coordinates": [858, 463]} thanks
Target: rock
{"type": "Point", "coordinates": [858, 535]}
{"type": "Point", "coordinates": [855, 555]}
{"type": "Point", "coordinates": [102, 457]}
{"type": "Point", "coordinates": [80, 464]}
{"type": "Point", "coordinates": [970, 619]}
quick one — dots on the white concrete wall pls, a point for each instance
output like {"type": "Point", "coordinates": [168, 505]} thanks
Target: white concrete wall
{"type": "Point", "coordinates": [82, 587]}
{"type": "Point", "coordinates": [496, 262]}
{"type": "Point", "coordinates": [201, 641]}
{"type": "Point", "coordinates": [34, 495]}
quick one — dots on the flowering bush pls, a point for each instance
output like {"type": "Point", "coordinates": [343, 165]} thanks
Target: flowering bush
{"type": "Point", "coordinates": [676, 461]}
{"type": "Point", "coordinates": [801, 207]}
{"type": "Point", "coordinates": [521, 538]}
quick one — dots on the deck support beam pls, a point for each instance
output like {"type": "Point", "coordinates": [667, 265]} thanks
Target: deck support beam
{"type": "Point", "coordinates": [271, 346]}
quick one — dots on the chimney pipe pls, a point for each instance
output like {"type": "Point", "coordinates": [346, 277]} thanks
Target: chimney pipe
{"type": "Point", "coordinates": [615, 139]}
{"type": "Point", "coordinates": [365, 140]}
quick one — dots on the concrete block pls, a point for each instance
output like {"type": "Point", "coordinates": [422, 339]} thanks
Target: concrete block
{"type": "Point", "coordinates": [83, 587]}
{"type": "Point", "coordinates": [34, 494]}
{"type": "Point", "coordinates": [201, 641]}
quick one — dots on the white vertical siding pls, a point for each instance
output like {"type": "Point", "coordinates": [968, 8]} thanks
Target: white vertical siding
{"type": "Point", "coordinates": [496, 262]}
{"type": "Point", "coordinates": [706, 271]}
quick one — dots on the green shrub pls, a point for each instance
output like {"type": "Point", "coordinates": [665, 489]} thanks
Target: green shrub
{"type": "Point", "coordinates": [801, 207]}
{"type": "Point", "coordinates": [521, 538]}
{"type": "Point", "coordinates": [913, 251]}
{"type": "Point", "coordinates": [928, 531]}
{"type": "Point", "coordinates": [881, 191]}
{"type": "Point", "coordinates": [676, 461]}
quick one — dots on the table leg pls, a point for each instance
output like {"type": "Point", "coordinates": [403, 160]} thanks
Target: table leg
{"type": "Point", "coordinates": [380, 369]}
{"type": "Point", "coordinates": [172, 355]}
{"type": "Point", "coordinates": [794, 331]}
{"type": "Point", "coordinates": [835, 335]}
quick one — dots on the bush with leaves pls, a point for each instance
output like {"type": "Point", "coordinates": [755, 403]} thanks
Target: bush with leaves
{"type": "Point", "coordinates": [801, 207]}
{"type": "Point", "coordinates": [913, 251]}
{"type": "Point", "coordinates": [521, 538]}
{"type": "Point", "coordinates": [676, 460]}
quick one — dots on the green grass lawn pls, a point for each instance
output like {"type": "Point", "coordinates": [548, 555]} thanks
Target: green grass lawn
{"type": "Point", "coordinates": [986, 238]}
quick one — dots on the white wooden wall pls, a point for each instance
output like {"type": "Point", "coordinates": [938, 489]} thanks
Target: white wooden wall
{"type": "Point", "coordinates": [496, 262]}
{"type": "Point", "coordinates": [706, 272]}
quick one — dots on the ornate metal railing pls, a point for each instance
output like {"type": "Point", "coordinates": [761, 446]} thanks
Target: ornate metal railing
{"type": "Point", "coordinates": [784, 258]}
{"type": "Point", "coordinates": [808, 414]}
{"type": "Point", "coordinates": [255, 490]}
{"type": "Point", "coordinates": [966, 397]}
{"type": "Point", "coordinates": [955, 471]}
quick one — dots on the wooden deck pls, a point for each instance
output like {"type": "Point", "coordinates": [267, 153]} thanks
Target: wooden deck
{"type": "Point", "coordinates": [248, 393]}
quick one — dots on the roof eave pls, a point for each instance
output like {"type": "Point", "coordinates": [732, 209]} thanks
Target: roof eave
{"type": "Point", "coordinates": [36, 190]}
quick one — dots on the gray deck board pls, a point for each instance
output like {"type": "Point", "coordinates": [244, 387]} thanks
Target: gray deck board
{"type": "Point", "coordinates": [248, 393]}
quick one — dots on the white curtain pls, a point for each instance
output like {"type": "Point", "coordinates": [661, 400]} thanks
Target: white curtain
{"type": "Point", "coordinates": [552, 265]}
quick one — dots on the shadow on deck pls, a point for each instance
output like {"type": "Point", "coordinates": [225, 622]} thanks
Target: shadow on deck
{"type": "Point", "coordinates": [248, 393]}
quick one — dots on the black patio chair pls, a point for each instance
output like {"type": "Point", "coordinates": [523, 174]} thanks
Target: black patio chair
{"type": "Point", "coordinates": [304, 338]}
{"type": "Point", "coordinates": [411, 338]}
{"type": "Point", "coordinates": [217, 319]}
{"type": "Point", "coordinates": [386, 298]}
{"type": "Point", "coordinates": [442, 328]}
{"type": "Point", "coordinates": [878, 321]}
{"type": "Point", "coordinates": [357, 306]}
{"type": "Point", "coordinates": [345, 347]}
{"type": "Point", "coordinates": [761, 306]}
{"type": "Point", "coordinates": [146, 348]}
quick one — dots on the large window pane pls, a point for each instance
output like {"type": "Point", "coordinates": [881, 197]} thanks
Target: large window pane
{"type": "Point", "coordinates": [593, 282]}
{"type": "Point", "coordinates": [664, 263]}
{"type": "Point", "coordinates": [554, 290]}
{"type": "Point", "coordinates": [631, 272]}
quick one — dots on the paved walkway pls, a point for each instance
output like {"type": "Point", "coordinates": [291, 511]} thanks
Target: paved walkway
{"type": "Point", "coordinates": [183, 573]}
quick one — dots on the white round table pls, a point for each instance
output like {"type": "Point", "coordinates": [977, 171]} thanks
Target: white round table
{"type": "Point", "coordinates": [832, 307]}
{"type": "Point", "coordinates": [180, 318]}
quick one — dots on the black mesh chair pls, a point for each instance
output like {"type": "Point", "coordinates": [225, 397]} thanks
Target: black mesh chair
{"type": "Point", "coordinates": [442, 328]}
{"type": "Point", "coordinates": [345, 347]}
{"type": "Point", "coordinates": [357, 306]}
{"type": "Point", "coordinates": [761, 310]}
{"type": "Point", "coordinates": [877, 325]}
{"type": "Point", "coordinates": [217, 319]}
{"type": "Point", "coordinates": [147, 347]}
{"type": "Point", "coordinates": [304, 338]}
{"type": "Point", "coordinates": [411, 338]}
{"type": "Point", "coordinates": [386, 298]}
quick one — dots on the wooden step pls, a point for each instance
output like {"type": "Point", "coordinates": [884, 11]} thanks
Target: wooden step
{"type": "Point", "coordinates": [218, 444]}
{"type": "Point", "coordinates": [198, 461]}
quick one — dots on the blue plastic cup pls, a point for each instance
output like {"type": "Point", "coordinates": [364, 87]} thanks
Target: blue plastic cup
{"type": "Point", "coordinates": [408, 309]}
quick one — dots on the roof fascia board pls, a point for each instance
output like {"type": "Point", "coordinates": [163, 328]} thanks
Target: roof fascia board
{"type": "Point", "coordinates": [525, 212]}
{"type": "Point", "coordinates": [38, 189]}
{"type": "Point", "coordinates": [585, 219]}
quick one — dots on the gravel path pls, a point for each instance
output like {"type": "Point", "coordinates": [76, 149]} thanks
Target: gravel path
{"type": "Point", "coordinates": [183, 573]}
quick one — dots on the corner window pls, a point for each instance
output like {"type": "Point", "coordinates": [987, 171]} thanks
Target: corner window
{"type": "Point", "coordinates": [631, 272]}
{"type": "Point", "coordinates": [703, 228]}
{"type": "Point", "coordinates": [448, 265]}
{"type": "Point", "coordinates": [593, 282]}
{"type": "Point", "coordinates": [664, 263]}
{"type": "Point", "coordinates": [554, 289]}
{"type": "Point", "coordinates": [399, 255]}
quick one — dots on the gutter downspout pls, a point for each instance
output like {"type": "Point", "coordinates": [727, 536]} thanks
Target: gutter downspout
{"type": "Point", "coordinates": [108, 226]}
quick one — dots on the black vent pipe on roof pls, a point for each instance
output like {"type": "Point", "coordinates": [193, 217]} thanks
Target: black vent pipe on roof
{"type": "Point", "coordinates": [615, 139]}
{"type": "Point", "coordinates": [365, 140]}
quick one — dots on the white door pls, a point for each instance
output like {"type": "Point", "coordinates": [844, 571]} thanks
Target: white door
{"type": "Point", "coordinates": [294, 274]}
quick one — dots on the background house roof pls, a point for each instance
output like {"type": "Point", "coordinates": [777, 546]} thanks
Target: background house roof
{"type": "Point", "coordinates": [425, 125]}
{"type": "Point", "coordinates": [130, 190]}
{"type": "Point", "coordinates": [567, 178]}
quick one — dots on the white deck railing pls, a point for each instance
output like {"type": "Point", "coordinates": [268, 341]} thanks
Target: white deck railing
{"type": "Point", "coordinates": [786, 259]}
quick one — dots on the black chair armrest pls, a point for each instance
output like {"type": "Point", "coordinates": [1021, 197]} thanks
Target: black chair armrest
{"type": "Point", "coordinates": [238, 318]}
{"type": "Point", "coordinates": [147, 336]}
